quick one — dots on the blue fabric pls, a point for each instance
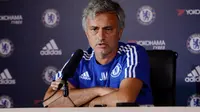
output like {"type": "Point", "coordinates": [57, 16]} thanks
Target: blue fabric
{"type": "Point", "coordinates": [131, 61]}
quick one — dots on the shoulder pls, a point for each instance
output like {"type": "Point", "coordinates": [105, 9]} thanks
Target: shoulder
{"type": "Point", "coordinates": [130, 48]}
{"type": "Point", "coordinates": [88, 54]}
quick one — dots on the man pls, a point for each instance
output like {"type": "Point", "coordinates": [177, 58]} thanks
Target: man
{"type": "Point", "coordinates": [110, 72]}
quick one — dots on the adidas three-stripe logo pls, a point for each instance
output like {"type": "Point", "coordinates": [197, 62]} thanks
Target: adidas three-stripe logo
{"type": "Point", "coordinates": [50, 49]}
{"type": "Point", "coordinates": [85, 76]}
{"type": "Point", "coordinates": [194, 75]}
{"type": "Point", "coordinates": [6, 78]}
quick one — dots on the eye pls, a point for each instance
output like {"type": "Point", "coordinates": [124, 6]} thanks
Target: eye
{"type": "Point", "coordinates": [108, 29]}
{"type": "Point", "coordinates": [93, 28]}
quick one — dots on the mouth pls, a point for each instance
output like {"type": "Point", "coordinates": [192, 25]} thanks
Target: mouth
{"type": "Point", "coordinates": [101, 45]}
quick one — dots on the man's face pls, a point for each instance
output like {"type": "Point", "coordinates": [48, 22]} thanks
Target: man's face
{"type": "Point", "coordinates": [103, 33]}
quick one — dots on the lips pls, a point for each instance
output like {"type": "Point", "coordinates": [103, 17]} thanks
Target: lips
{"type": "Point", "coordinates": [101, 45]}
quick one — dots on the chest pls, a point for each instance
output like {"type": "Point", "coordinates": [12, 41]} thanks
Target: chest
{"type": "Point", "coordinates": [93, 76]}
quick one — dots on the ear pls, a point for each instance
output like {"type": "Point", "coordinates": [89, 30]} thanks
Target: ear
{"type": "Point", "coordinates": [120, 33]}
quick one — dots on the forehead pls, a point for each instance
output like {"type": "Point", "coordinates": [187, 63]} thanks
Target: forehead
{"type": "Point", "coordinates": [102, 19]}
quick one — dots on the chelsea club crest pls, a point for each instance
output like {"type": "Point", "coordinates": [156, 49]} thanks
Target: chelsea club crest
{"type": "Point", "coordinates": [193, 43]}
{"type": "Point", "coordinates": [116, 71]}
{"type": "Point", "coordinates": [51, 18]}
{"type": "Point", "coordinates": [146, 15]}
{"type": "Point", "coordinates": [6, 47]}
{"type": "Point", "coordinates": [48, 74]}
{"type": "Point", "coordinates": [194, 100]}
{"type": "Point", "coordinates": [6, 101]}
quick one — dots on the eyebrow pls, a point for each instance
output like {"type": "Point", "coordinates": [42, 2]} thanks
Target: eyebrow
{"type": "Point", "coordinates": [103, 27]}
{"type": "Point", "coordinates": [107, 27]}
{"type": "Point", "coordinates": [93, 26]}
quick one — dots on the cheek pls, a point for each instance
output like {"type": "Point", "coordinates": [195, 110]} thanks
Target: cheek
{"type": "Point", "coordinates": [91, 42]}
{"type": "Point", "coordinates": [113, 38]}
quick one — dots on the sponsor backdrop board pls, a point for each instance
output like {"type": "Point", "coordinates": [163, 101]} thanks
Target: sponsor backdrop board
{"type": "Point", "coordinates": [37, 37]}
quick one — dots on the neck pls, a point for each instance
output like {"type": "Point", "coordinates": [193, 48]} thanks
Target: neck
{"type": "Point", "coordinates": [107, 58]}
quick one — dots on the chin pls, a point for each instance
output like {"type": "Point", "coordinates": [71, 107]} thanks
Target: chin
{"type": "Point", "coordinates": [103, 51]}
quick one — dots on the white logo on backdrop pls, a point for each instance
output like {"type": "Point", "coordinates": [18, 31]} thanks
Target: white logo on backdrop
{"type": "Point", "coordinates": [14, 19]}
{"type": "Point", "coordinates": [6, 78]}
{"type": "Point", "coordinates": [146, 15]}
{"type": "Point", "coordinates": [6, 101]}
{"type": "Point", "coordinates": [155, 44]}
{"type": "Point", "coordinates": [51, 48]}
{"type": "Point", "coordinates": [48, 74]}
{"type": "Point", "coordinates": [193, 43]}
{"type": "Point", "coordinates": [194, 75]}
{"type": "Point", "coordinates": [194, 100]}
{"type": "Point", "coordinates": [6, 47]}
{"type": "Point", "coordinates": [51, 18]}
{"type": "Point", "coordinates": [189, 12]}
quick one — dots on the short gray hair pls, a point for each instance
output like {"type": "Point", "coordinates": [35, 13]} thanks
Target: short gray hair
{"type": "Point", "coordinates": [101, 6]}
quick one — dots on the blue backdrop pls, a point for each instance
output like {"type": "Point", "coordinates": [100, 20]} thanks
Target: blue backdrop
{"type": "Point", "coordinates": [37, 37]}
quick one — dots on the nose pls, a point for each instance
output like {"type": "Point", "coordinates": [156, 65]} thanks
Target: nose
{"type": "Point", "coordinates": [101, 34]}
